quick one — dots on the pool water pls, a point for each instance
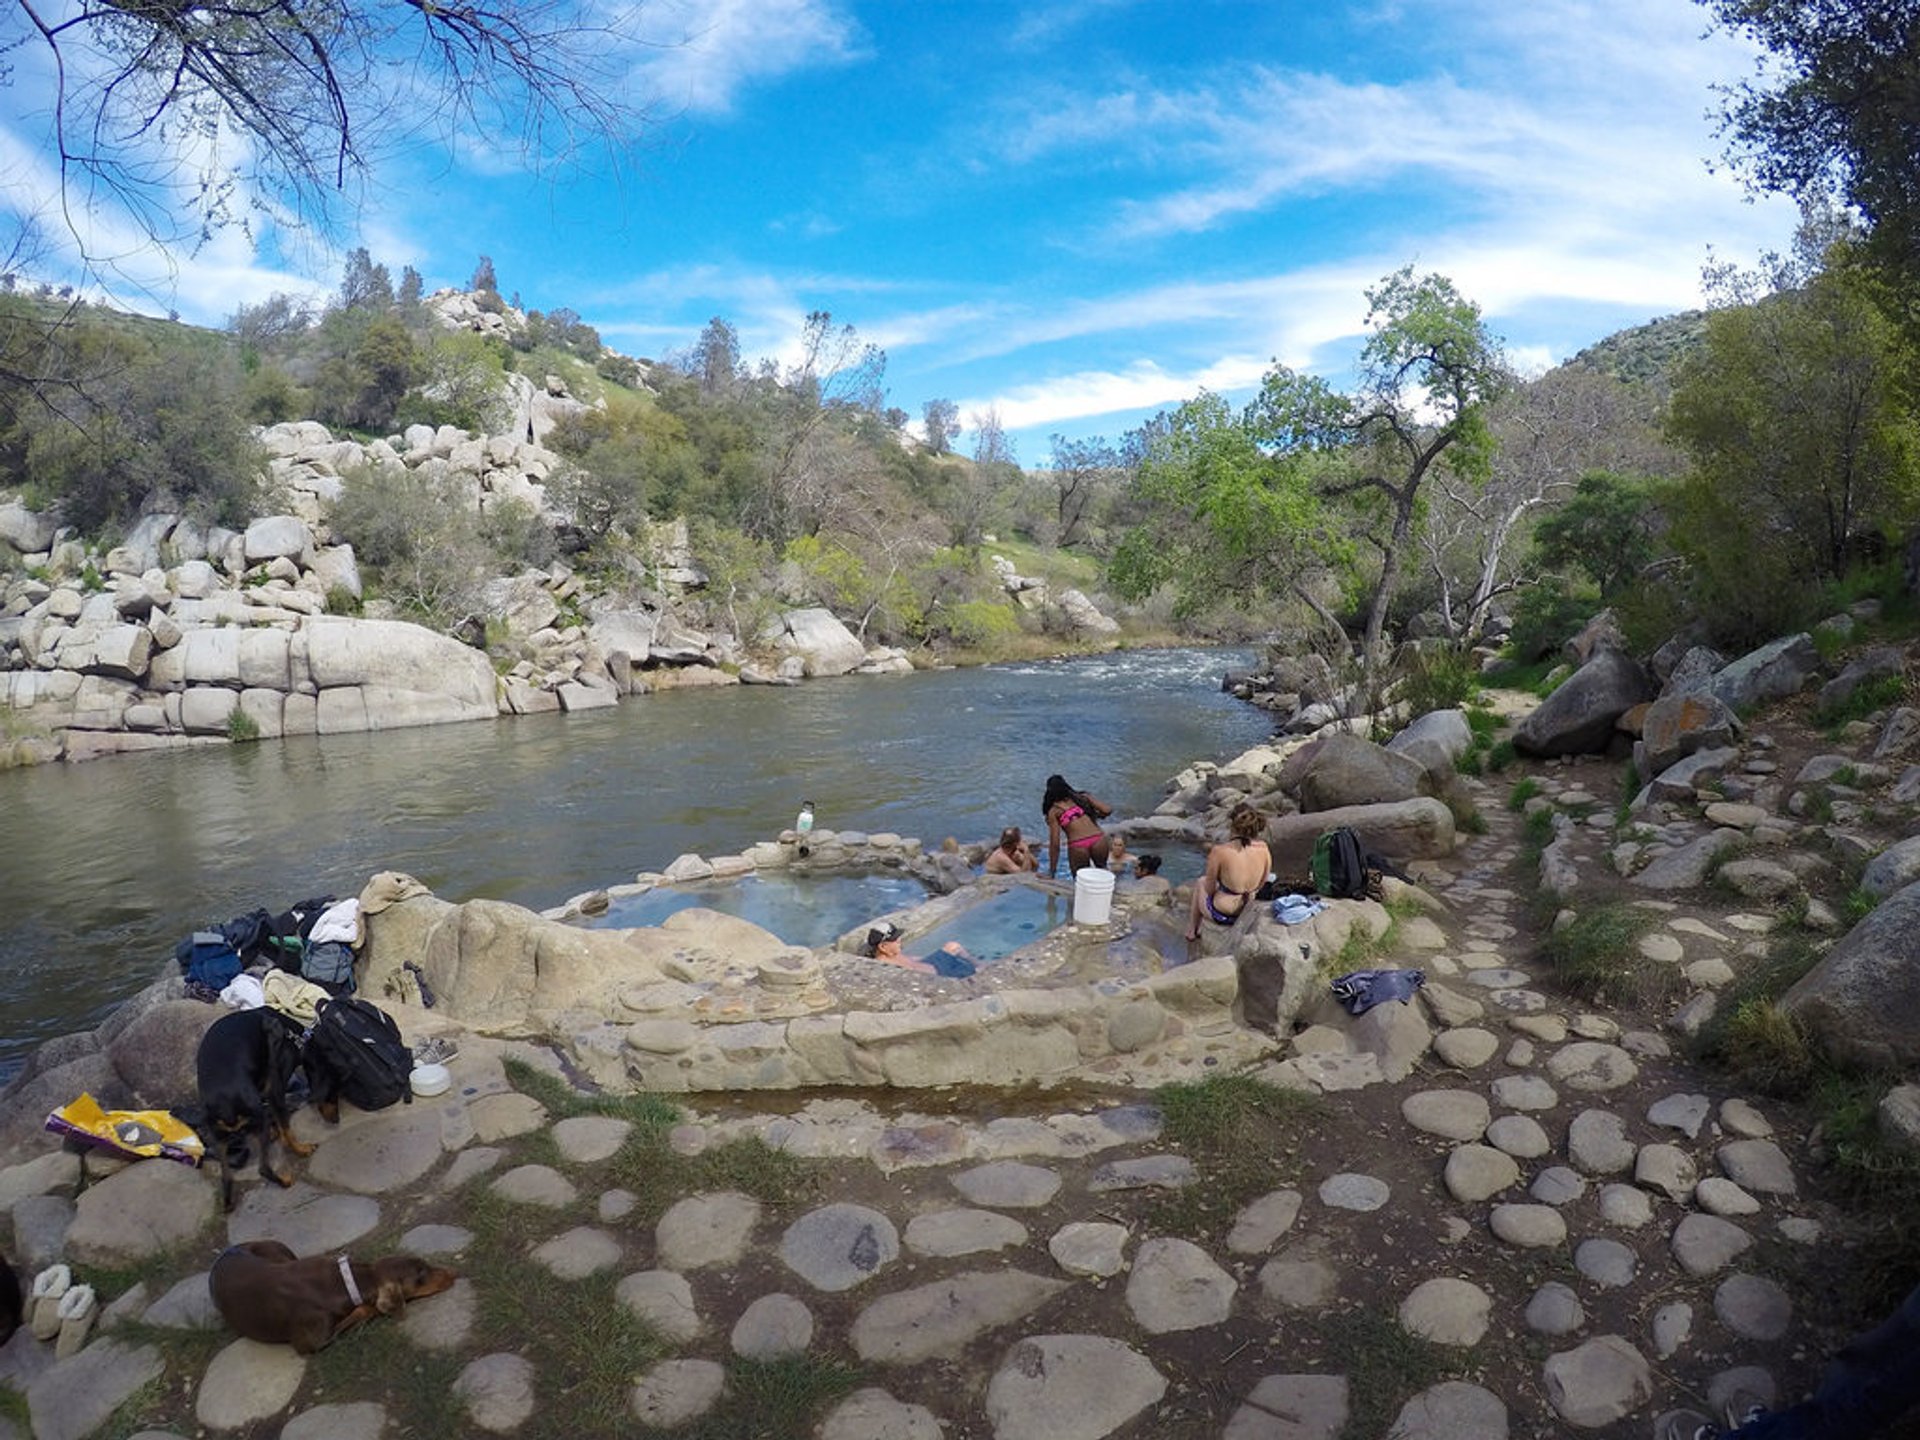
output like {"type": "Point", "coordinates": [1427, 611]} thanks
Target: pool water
{"type": "Point", "coordinates": [996, 927]}
{"type": "Point", "coordinates": [802, 910]}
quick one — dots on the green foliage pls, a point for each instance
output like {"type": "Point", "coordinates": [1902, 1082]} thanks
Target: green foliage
{"type": "Point", "coordinates": [1501, 754]}
{"type": "Point", "coordinates": [1437, 679]}
{"type": "Point", "coordinates": [1547, 614]}
{"type": "Point", "coordinates": [144, 413]}
{"type": "Point", "coordinates": [1799, 420]}
{"type": "Point", "coordinates": [977, 624]}
{"type": "Point", "coordinates": [1867, 697]}
{"type": "Point", "coordinates": [242, 728]}
{"type": "Point", "coordinates": [342, 601]}
{"type": "Point", "coordinates": [1609, 531]}
{"type": "Point", "coordinates": [1243, 1134]}
{"type": "Point", "coordinates": [459, 379]}
{"type": "Point", "coordinates": [1385, 1365]}
{"type": "Point", "coordinates": [420, 536]}
{"type": "Point", "coordinates": [1522, 791]}
{"type": "Point", "coordinates": [1595, 959]}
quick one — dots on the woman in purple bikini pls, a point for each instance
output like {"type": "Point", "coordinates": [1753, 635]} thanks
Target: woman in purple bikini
{"type": "Point", "coordinates": [1075, 816]}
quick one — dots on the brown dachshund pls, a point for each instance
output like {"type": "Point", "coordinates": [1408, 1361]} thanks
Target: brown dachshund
{"type": "Point", "coordinates": [267, 1293]}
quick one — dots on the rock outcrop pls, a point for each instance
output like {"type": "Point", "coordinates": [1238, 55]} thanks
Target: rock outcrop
{"type": "Point", "coordinates": [1578, 718]}
{"type": "Point", "coordinates": [1860, 1000]}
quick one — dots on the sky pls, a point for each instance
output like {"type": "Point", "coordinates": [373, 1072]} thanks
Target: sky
{"type": "Point", "coordinates": [1075, 212]}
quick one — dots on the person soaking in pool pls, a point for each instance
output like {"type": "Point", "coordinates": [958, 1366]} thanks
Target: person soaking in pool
{"type": "Point", "coordinates": [1236, 868]}
{"type": "Point", "coordinates": [950, 961]}
{"type": "Point", "coordinates": [1073, 816]}
{"type": "Point", "coordinates": [1012, 855]}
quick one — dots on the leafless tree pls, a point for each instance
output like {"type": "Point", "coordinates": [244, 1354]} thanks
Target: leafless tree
{"type": "Point", "coordinates": [183, 114]}
{"type": "Point", "coordinates": [1545, 436]}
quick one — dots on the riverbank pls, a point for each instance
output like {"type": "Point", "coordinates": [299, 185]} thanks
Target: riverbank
{"type": "Point", "coordinates": [1415, 1250]}
{"type": "Point", "coordinates": [104, 868]}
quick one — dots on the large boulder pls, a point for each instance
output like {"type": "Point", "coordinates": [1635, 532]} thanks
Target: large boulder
{"type": "Point", "coordinates": [387, 674]}
{"type": "Point", "coordinates": [1859, 1002]}
{"type": "Point", "coordinates": [1346, 770]}
{"type": "Point", "coordinates": [1082, 614]}
{"type": "Point", "coordinates": [523, 603]}
{"type": "Point", "coordinates": [25, 530]}
{"type": "Point", "coordinates": [1773, 672]}
{"type": "Point", "coordinates": [1437, 740]}
{"type": "Point", "coordinates": [825, 645]}
{"type": "Point", "coordinates": [274, 537]}
{"type": "Point", "coordinates": [1893, 869]}
{"type": "Point", "coordinates": [1417, 829]}
{"type": "Point", "coordinates": [1676, 725]}
{"type": "Point", "coordinates": [1578, 718]}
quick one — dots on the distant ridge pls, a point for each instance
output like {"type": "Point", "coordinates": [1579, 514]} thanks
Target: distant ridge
{"type": "Point", "coordinates": [1646, 354]}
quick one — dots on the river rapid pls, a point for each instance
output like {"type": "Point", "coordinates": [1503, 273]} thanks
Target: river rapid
{"type": "Point", "coordinates": [104, 866]}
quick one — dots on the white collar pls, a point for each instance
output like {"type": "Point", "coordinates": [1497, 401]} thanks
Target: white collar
{"type": "Point", "coordinates": [346, 1274]}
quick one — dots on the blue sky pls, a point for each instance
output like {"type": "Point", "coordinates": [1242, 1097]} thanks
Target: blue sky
{"type": "Point", "coordinates": [1081, 212]}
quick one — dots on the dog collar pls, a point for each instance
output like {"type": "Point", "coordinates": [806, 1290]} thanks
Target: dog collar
{"type": "Point", "coordinates": [346, 1274]}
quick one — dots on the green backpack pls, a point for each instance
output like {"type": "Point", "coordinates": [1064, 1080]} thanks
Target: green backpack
{"type": "Point", "coordinates": [1339, 865]}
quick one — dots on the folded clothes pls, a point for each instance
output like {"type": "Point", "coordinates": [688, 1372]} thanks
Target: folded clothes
{"type": "Point", "coordinates": [1361, 990]}
{"type": "Point", "coordinates": [1296, 909]}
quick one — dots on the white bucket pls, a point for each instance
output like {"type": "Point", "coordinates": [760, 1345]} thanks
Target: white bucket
{"type": "Point", "coordinates": [1092, 895]}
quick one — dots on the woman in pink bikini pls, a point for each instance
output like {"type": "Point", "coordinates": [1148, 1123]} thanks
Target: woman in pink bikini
{"type": "Point", "coordinates": [1075, 816]}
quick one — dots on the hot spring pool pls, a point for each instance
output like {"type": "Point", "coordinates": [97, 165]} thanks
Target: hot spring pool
{"type": "Point", "coordinates": [806, 910]}
{"type": "Point", "coordinates": [1000, 925]}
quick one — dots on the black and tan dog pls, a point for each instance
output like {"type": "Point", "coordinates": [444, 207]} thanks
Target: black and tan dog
{"type": "Point", "coordinates": [267, 1293]}
{"type": "Point", "coordinates": [245, 1063]}
{"type": "Point", "coordinates": [10, 1302]}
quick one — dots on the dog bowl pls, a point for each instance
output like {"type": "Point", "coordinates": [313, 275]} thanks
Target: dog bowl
{"type": "Point", "coordinates": [431, 1080]}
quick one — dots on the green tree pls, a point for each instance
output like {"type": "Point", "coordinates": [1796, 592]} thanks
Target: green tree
{"type": "Point", "coordinates": [484, 281]}
{"type": "Point", "coordinates": [411, 288]}
{"type": "Point", "coordinates": [1426, 376]}
{"type": "Point", "coordinates": [1227, 521]}
{"type": "Point", "coordinates": [942, 419]}
{"type": "Point", "coordinates": [715, 358]}
{"type": "Point", "coordinates": [1838, 111]}
{"type": "Point", "coordinates": [365, 285]}
{"type": "Point", "coordinates": [1797, 416]}
{"type": "Point", "coordinates": [1611, 530]}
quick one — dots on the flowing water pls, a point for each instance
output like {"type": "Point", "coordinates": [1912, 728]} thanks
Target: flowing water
{"type": "Point", "coordinates": [104, 866]}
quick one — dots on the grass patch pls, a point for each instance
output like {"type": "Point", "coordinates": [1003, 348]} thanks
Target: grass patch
{"type": "Point", "coordinates": [242, 728]}
{"type": "Point", "coordinates": [1472, 823]}
{"type": "Point", "coordinates": [768, 1398]}
{"type": "Point", "coordinates": [648, 1113]}
{"type": "Point", "coordinates": [1629, 787]}
{"type": "Point", "coordinates": [658, 1176]}
{"type": "Point", "coordinates": [1751, 1036]}
{"type": "Point", "coordinates": [1868, 697]}
{"type": "Point", "coordinates": [373, 1362]}
{"type": "Point", "coordinates": [1536, 833]}
{"type": "Point", "coordinates": [1858, 905]}
{"type": "Point", "coordinates": [1242, 1134]}
{"type": "Point", "coordinates": [13, 1410]}
{"type": "Point", "coordinates": [585, 1346]}
{"type": "Point", "coordinates": [1384, 1364]}
{"type": "Point", "coordinates": [1522, 791]}
{"type": "Point", "coordinates": [1501, 755]}
{"type": "Point", "coordinates": [1597, 959]}
{"type": "Point", "coordinates": [1879, 1184]}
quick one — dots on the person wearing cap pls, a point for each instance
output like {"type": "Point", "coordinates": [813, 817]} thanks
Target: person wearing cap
{"type": "Point", "coordinates": [950, 961]}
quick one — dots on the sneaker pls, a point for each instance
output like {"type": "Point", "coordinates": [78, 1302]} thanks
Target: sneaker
{"type": "Point", "coordinates": [1742, 1407]}
{"type": "Point", "coordinates": [1685, 1425]}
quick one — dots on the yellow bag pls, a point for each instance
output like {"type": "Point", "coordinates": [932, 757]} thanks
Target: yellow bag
{"type": "Point", "coordinates": [140, 1134]}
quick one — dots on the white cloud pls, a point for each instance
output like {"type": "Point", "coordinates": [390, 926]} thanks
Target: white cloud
{"type": "Point", "coordinates": [1144, 385]}
{"type": "Point", "coordinates": [698, 54]}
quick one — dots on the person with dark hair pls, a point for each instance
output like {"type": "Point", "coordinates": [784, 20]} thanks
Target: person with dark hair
{"type": "Point", "coordinates": [1012, 856]}
{"type": "Point", "coordinates": [950, 961]}
{"type": "Point", "coordinates": [1146, 865]}
{"type": "Point", "coordinates": [1874, 1380]}
{"type": "Point", "coordinates": [1073, 816]}
{"type": "Point", "coordinates": [1236, 869]}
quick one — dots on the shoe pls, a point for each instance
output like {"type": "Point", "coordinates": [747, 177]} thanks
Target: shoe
{"type": "Point", "coordinates": [77, 1312]}
{"type": "Point", "coordinates": [49, 1286]}
{"type": "Point", "coordinates": [1743, 1407]}
{"type": "Point", "coordinates": [1685, 1425]}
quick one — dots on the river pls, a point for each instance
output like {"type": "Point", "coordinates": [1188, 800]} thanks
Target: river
{"type": "Point", "coordinates": [104, 866]}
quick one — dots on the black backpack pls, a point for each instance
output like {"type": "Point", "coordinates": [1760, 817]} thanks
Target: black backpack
{"type": "Point", "coordinates": [361, 1045]}
{"type": "Point", "coordinates": [1340, 865]}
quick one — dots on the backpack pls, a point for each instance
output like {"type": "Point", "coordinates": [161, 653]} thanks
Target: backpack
{"type": "Point", "coordinates": [360, 1043]}
{"type": "Point", "coordinates": [205, 958]}
{"type": "Point", "coordinates": [329, 963]}
{"type": "Point", "coordinates": [1339, 865]}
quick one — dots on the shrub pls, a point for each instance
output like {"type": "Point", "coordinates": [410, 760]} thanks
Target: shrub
{"type": "Point", "coordinates": [1767, 1048]}
{"type": "Point", "coordinates": [242, 728]}
{"type": "Point", "coordinates": [1547, 615]}
{"type": "Point", "coordinates": [1871, 695]}
{"type": "Point", "coordinates": [1436, 679]}
{"type": "Point", "coordinates": [421, 537]}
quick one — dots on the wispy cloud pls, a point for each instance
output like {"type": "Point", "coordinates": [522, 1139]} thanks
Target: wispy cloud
{"type": "Point", "coordinates": [698, 55]}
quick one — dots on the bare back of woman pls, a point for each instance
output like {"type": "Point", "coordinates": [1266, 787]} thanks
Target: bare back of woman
{"type": "Point", "coordinates": [1073, 817]}
{"type": "Point", "coordinates": [1236, 869]}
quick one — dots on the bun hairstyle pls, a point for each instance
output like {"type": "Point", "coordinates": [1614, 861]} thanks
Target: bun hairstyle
{"type": "Point", "coordinates": [1246, 824]}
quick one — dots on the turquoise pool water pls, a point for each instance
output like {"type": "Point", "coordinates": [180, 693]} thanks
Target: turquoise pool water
{"type": "Point", "coordinates": [996, 927]}
{"type": "Point", "coordinates": [802, 910]}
